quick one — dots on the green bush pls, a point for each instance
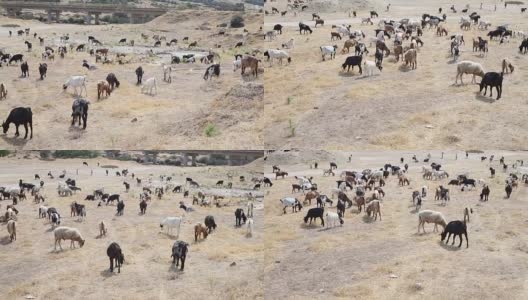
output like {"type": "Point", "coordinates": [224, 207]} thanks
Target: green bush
{"type": "Point", "coordinates": [210, 130]}
{"type": "Point", "coordinates": [4, 153]}
{"type": "Point", "coordinates": [237, 22]}
{"type": "Point", "coordinates": [75, 154]}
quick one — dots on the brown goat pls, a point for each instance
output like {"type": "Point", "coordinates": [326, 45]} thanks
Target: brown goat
{"type": "Point", "coordinates": [199, 229]}
{"type": "Point", "coordinates": [250, 62]}
{"type": "Point", "coordinates": [309, 196]}
{"type": "Point", "coordinates": [3, 91]}
{"type": "Point", "coordinates": [103, 87]}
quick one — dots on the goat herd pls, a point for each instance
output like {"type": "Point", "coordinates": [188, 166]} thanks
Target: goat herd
{"type": "Point", "coordinates": [365, 190]}
{"type": "Point", "coordinates": [401, 31]}
{"type": "Point", "coordinates": [101, 52]}
{"type": "Point", "coordinates": [148, 188]}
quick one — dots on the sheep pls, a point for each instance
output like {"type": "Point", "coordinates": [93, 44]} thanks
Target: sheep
{"type": "Point", "coordinates": [314, 213]}
{"type": "Point", "coordinates": [457, 228]}
{"type": "Point", "coordinates": [370, 66]}
{"type": "Point", "coordinates": [19, 116]}
{"type": "Point", "coordinates": [469, 67]}
{"type": "Point", "coordinates": [328, 50]}
{"type": "Point", "coordinates": [200, 230]}
{"type": "Point", "coordinates": [68, 233]}
{"type": "Point", "coordinates": [374, 208]}
{"type": "Point", "coordinates": [172, 222]}
{"type": "Point", "coordinates": [102, 229]}
{"type": "Point", "coordinates": [332, 218]}
{"type": "Point", "coordinates": [430, 216]}
{"type": "Point", "coordinates": [179, 252]}
{"type": "Point", "coordinates": [507, 66]}
{"type": "Point", "coordinates": [410, 58]}
{"type": "Point", "coordinates": [114, 253]}
{"type": "Point", "coordinates": [11, 229]}
{"type": "Point", "coordinates": [150, 85]}
{"type": "Point", "coordinates": [492, 79]}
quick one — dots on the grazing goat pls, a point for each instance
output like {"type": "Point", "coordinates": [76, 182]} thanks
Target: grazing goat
{"type": "Point", "coordinates": [240, 217]}
{"type": "Point", "coordinates": [170, 223]}
{"type": "Point", "coordinates": [112, 80]}
{"type": "Point", "coordinates": [410, 58]}
{"type": "Point", "coordinates": [179, 253]}
{"type": "Point", "coordinates": [328, 50]}
{"type": "Point", "coordinates": [103, 88]}
{"type": "Point", "coordinates": [374, 207]}
{"type": "Point", "coordinates": [370, 66]}
{"type": "Point", "coordinates": [76, 82]}
{"type": "Point", "coordinates": [457, 228]}
{"type": "Point", "coordinates": [19, 116]}
{"type": "Point", "coordinates": [43, 69]}
{"type": "Point", "coordinates": [213, 70]}
{"type": "Point", "coordinates": [210, 223]}
{"type": "Point", "coordinates": [80, 111]}
{"type": "Point", "coordinates": [200, 230]}
{"type": "Point", "coordinates": [293, 202]}
{"type": "Point", "coordinates": [273, 54]}
{"type": "Point", "coordinates": [314, 213]}
{"type": "Point", "coordinates": [150, 85]}
{"type": "Point", "coordinates": [114, 253]}
{"type": "Point", "coordinates": [250, 62]}
{"type": "Point", "coordinates": [352, 61]}
{"type": "Point", "coordinates": [493, 80]}
{"type": "Point", "coordinates": [332, 219]}
{"type": "Point", "coordinates": [507, 66]}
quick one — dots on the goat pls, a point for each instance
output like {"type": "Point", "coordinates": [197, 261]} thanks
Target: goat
{"type": "Point", "coordinates": [457, 228]}
{"type": "Point", "coordinates": [115, 254]}
{"type": "Point", "coordinates": [492, 79]}
{"type": "Point", "coordinates": [19, 116]}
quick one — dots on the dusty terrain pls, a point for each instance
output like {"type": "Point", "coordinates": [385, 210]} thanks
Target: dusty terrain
{"type": "Point", "coordinates": [387, 259]}
{"type": "Point", "coordinates": [177, 117]}
{"type": "Point", "coordinates": [312, 102]}
{"type": "Point", "coordinates": [30, 261]}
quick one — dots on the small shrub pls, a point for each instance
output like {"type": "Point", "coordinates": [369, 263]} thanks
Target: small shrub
{"type": "Point", "coordinates": [237, 22]}
{"type": "Point", "coordinates": [292, 128]}
{"type": "Point", "coordinates": [210, 130]}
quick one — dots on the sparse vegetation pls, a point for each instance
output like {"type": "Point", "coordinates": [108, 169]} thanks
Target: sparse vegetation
{"type": "Point", "coordinates": [291, 128]}
{"type": "Point", "coordinates": [75, 154]}
{"type": "Point", "coordinates": [237, 22]}
{"type": "Point", "coordinates": [210, 130]}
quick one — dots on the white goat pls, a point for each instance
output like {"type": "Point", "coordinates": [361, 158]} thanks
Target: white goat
{"type": "Point", "coordinates": [11, 229]}
{"type": "Point", "coordinates": [289, 45]}
{"type": "Point", "coordinates": [76, 82]}
{"type": "Point", "coordinates": [369, 67]}
{"type": "Point", "coordinates": [277, 54]}
{"type": "Point", "coordinates": [328, 50]}
{"type": "Point", "coordinates": [150, 85]}
{"type": "Point", "coordinates": [332, 219]}
{"type": "Point", "coordinates": [249, 232]}
{"type": "Point", "coordinates": [170, 223]}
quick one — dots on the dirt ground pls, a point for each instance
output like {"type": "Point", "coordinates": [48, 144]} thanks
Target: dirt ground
{"type": "Point", "coordinates": [30, 262]}
{"type": "Point", "coordinates": [387, 259]}
{"type": "Point", "coordinates": [175, 118]}
{"type": "Point", "coordinates": [313, 102]}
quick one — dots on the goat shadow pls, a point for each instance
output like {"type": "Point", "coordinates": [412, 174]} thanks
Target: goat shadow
{"type": "Point", "coordinates": [6, 240]}
{"type": "Point", "coordinates": [16, 141]}
{"type": "Point", "coordinates": [312, 226]}
{"type": "Point", "coordinates": [175, 269]}
{"type": "Point", "coordinates": [366, 76]}
{"type": "Point", "coordinates": [170, 236]}
{"type": "Point", "coordinates": [486, 99]}
{"type": "Point", "coordinates": [404, 68]}
{"type": "Point", "coordinates": [349, 74]}
{"type": "Point", "coordinates": [75, 128]}
{"type": "Point", "coordinates": [448, 247]}
{"type": "Point", "coordinates": [106, 273]}
{"type": "Point", "coordinates": [367, 219]}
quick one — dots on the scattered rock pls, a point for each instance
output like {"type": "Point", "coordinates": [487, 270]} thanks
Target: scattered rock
{"type": "Point", "coordinates": [321, 291]}
{"type": "Point", "coordinates": [393, 276]}
{"type": "Point", "coordinates": [134, 120]}
{"type": "Point", "coordinates": [232, 264]}
{"type": "Point", "coordinates": [429, 126]}
{"type": "Point", "coordinates": [358, 138]}
{"type": "Point", "coordinates": [277, 261]}
{"type": "Point", "coordinates": [30, 297]}
{"type": "Point", "coordinates": [418, 286]}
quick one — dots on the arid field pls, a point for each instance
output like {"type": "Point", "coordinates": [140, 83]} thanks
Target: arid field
{"type": "Point", "coordinates": [311, 102]}
{"type": "Point", "coordinates": [189, 112]}
{"type": "Point", "coordinates": [387, 259]}
{"type": "Point", "coordinates": [226, 265]}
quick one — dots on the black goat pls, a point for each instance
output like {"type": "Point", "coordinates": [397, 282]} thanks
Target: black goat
{"type": "Point", "coordinates": [139, 74]}
{"type": "Point", "coordinates": [16, 58]}
{"type": "Point", "coordinates": [19, 116]}
{"type": "Point", "coordinates": [457, 228]}
{"type": "Point", "coordinates": [278, 27]}
{"type": "Point", "coordinates": [508, 190]}
{"type": "Point", "coordinates": [213, 70]}
{"type": "Point", "coordinates": [111, 198]}
{"type": "Point", "coordinates": [352, 61]}
{"type": "Point", "coordinates": [485, 193]}
{"type": "Point", "coordinates": [112, 80]}
{"type": "Point", "coordinates": [179, 252]}
{"type": "Point", "coordinates": [25, 69]}
{"type": "Point", "coordinates": [114, 253]}
{"type": "Point", "coordinates": [304, 28]}
{"type": "Point", "coordinates": [492, 79]}
{"type": "Point", "coordinates": [43, 69]}
{"type": "Point", "coordinates": [210, 223]}
{"type": "Point", "coordinates": [240, 217]}
{"type": "Point", "coordinates": [314, 213]}
{"type": "Point", "coordinates": [120, 207]}
{"type": "Point", "coordinates": [80, 111]}
{"type": "Point", "coordinates": [143, 207]}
